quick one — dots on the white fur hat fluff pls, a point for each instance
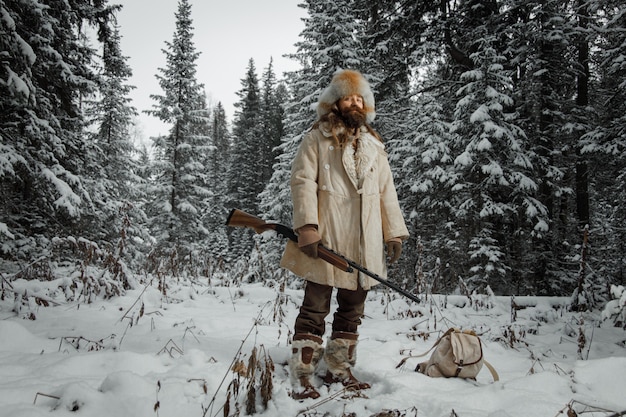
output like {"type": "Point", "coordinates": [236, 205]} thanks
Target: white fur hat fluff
{"type": "Point", "coordinates": [345, 83]}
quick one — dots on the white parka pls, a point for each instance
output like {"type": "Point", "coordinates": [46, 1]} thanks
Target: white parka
{"type": "Point", "coordinates": [352, 199]}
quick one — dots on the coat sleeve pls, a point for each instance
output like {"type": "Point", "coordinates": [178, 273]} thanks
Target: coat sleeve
{"type": "Point", "coordinates": [304, 183]}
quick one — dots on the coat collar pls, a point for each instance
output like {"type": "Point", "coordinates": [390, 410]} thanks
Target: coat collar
{"type": "Point", "coordinates": [359, 159]}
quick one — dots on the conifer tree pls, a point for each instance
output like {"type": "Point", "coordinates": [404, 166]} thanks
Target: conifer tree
{"type": "Point", "coordinates": [267, 249]}
{"type": "Point", "coordinates": [425, 169]}
{"type": "Point", "coordinates": [45, 74]}
{"type": "Point", "coordinates": [179, 198]}
{"type": "Point", "coordinates": [246, 157]}
{"type": "Point", "coordinates": [540, 48]}
{"type": "Point", "coordinates": [392, 33]}
{"type": "Point", "coordinates": [494, 194]}
{"type": "Point", "coordinates": [218, 182]}
{"type": "Point", "coordinates": [245, 164]}
{"type": "Point", "coordinates": [273, 96]}
{"type": "Point", "coordinates": [605, 143]}
{"type": "Point", "coordinates": [112, 179]}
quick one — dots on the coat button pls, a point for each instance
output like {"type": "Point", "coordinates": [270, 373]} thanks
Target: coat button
{"type": "Point", "coordinates": [327, 166]}
{"type": "Point", "coordinates": [331, 147]}
{"type": "Point", "coordinates": [323, 188]}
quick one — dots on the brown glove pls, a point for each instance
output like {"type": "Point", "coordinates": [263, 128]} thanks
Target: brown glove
{"type": "Point", "coordinates": [308, 240]}
{"type": "Point", "coordinates": [394, 249]}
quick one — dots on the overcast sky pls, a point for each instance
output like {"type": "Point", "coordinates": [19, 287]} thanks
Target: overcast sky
{"type": "Point", "coordinates": [226, 33]}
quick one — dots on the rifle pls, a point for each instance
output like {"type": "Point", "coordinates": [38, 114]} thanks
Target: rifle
{"type": "Point", "coordinates": [238, 218]}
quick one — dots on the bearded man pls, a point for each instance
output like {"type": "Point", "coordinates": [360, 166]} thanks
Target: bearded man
{"type": "Point", "coordinates": [343, 198]}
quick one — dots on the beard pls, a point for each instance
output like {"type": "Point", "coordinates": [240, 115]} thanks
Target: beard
{"type": "Point", "coordinates": [353, 117]}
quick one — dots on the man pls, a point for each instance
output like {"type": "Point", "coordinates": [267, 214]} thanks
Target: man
{"type": "Point", "coordinates": [344, 198]}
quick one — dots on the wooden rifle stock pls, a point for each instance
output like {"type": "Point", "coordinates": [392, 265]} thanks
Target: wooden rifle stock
{"type": "Point", "coordinates": [239, 218]}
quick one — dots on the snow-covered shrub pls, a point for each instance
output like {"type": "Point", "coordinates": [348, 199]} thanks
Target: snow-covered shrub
{"type": "Point", "coordinates": [75, 269]}
{"type": "Point", "coordinates": [616, 309]}
{"type": "Point", "coordinates": [483, 301]}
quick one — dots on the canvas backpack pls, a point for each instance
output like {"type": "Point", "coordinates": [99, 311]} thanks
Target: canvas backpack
{"type": "Point", "coordinates": [456, 354]}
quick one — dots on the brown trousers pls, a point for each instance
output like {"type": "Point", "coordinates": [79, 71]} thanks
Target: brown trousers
{"type": "Point", "coordinates": [316, 306]}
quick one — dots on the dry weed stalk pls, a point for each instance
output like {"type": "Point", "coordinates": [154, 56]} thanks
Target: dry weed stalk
{"type": "Point", "coordinates": [41, 394]}
{"type": "Point", "coordinates": [582, 339]}
{"type": "Point", "coordinates": [465, 291]}
{"type": "Point", "coordinates": [89, 345]}
{"type": "Point", "coordinates": [205, 389]}
{"type": "Point", "coordinates": [157, 404]}
{"type": "Point", "coordinates": [536, 361]}
{"type": "Point", "coordinates": [258, 372]}
{"type": "Point", "coordinates": [189, 329]}
{"type": "Point", "coordinates": [512, 337]}
{"type": "Point", "coordinates": [396, 413]}
{"type": "Point", "coordinates": [280, 301]}
{"type": "Point", "coordinates": [570, 411]}
{"type": "Point", "coordinates": [238, 368]}
{"type": "Point", "coordinates": [5, 287]}
{"type": "Point", "coordinates": [170, 347]}
{"type": "Point", "coordinates": [345, 393]}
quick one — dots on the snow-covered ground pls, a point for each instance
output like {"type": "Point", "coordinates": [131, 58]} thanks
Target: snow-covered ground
{"type": "Point", "coordinates": [176, 358]}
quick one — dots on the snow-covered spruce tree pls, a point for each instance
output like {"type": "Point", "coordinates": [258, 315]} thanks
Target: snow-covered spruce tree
{"type": "Point", "coordinates": [540, 51]}
{"type": "Point", "coordinates": [217, 166]}
{"type": "Point", "coordinates": [268, 248]}
{"type": "Point", "coordinates": [536, 41]}
{"type": "Point", "coordinates": [392, 33]}
{"type": "Point", "coordinates": [246, 159]}
{"type": "Point", "coordinates": [261, 120]}
{"type": "Point", "coordinates": [275, 201]}
{"type": "Point", "coordinates": [46, 71]}
{"type": "Point", "coordinates": [425, 172]}
{"type": "Point", "coordinates": [179, 196]}
{"type": "Point", "coordinates": [606, 144]}
{"type": "Point", "coordinates": [494, 204]}
{"type": "Point", "coordinates": [113, 181]}
{"type": "Point", "coordinates": [273, 96]}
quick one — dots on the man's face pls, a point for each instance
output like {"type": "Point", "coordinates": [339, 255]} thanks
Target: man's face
{"type": "Point", "coordinates": [348, 102]}
{"type": "Point", "coordinates": [351, 110]}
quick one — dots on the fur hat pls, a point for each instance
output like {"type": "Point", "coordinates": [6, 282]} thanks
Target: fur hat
{"type": "Point", "coordinates": [345, 83]}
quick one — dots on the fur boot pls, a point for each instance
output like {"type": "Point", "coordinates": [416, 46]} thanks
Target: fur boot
{"type": "Point", "coordinates": [306, 353]}
{"type": "Point", "coordinates": [340, 357]}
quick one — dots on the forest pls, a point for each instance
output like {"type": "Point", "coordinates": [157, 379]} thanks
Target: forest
{"type": "Point", "coordinates": [504, 122]}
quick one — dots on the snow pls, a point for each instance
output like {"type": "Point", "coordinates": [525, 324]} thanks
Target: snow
{"type": "Point", "coordinates": [616, 307]}
{"type": "Point", "coordinates": [541, 226]}
{"type": "Point", "coordinates": [9, 158]}
{"type": "Point", "coordinates": [68, 199]}
{"type": "Point", "coordinates": [4, 230]}
{"type": "Point", "coordinates": [149, 354]}
{"type": "Point", "coordinates": [481, 114]}
{"type": "Point", "coordinates": [464, 159]}
{"type": "Point", "coordinates": [16, 85]}
{"type": "Point", "coordinates": [492, 169]}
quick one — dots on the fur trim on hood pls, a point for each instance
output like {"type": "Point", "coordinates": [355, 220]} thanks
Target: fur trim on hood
{"type": "Point", "coordinates": [345, 83]}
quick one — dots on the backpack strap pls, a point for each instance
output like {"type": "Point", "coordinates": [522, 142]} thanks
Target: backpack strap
{"type": "Point", "coordinates": [450, 330]}
{"type": "Point", "coordinates": [493, 371]}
